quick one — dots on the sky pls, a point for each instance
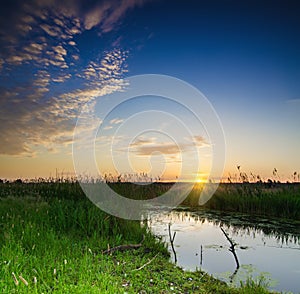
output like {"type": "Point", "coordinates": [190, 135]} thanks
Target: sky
{"type": "Point", "coordinates": [58, 58]}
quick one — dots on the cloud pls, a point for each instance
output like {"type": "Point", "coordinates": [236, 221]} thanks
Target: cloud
{"type": "Point", "coordinates": [116, 121]}
{"type": "Point", "coordinates": [35, 48]}
{"type": "Point", "coordinates": [149, 146]}
{"type": "Point", "coordinates": [35, 28]}
{"type": "Point", "coordinates": [112, 66]}
{"type": "Point", "coordinates": [167, 149]}
{"type": "Point", "coordinates": [96, 15]}
{"type": "Point", "coordinates": [62, 78]}
{"type": "Point", "coordinates": [112, 123]}
{"type": "Point", "coordinates": [47, 80]}
{"type": "Point", "coordinates": [53, 31]}
{"type": "Point", "coordinates": [200, 141]}
{"type": "Point", "coordinates": [141, 141]}
{"type": "Point", "coordinates": [31, 121]}
{"type": "Point", "coordinates": [108, 14]}
{"type": "Point", "coordinates": [59, 50]}
{"type": "Point", "coordinates": [42, 81]}
{"type": "Point", "coordinates": [107, 128]}
{"type": "Point", "coordinates": [118, 12]}
{"type": "Point", "coordinates": [42, 33]}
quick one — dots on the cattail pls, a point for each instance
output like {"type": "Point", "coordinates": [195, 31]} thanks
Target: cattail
{"type": "Point", "coordinates": [15, 279]}
{"type": "Point", "coordinates": [23, 280]}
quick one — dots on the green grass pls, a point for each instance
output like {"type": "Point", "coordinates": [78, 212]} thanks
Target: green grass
{"type": "Point", "coordinates": [53, 237]}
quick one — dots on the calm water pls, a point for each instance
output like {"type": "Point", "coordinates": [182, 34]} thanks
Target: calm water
{"type": "Point", "coordinates": [264, 247]}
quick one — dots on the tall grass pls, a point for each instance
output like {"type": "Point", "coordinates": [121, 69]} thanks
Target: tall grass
{"type": "Point", "coordinates": [278, 200]}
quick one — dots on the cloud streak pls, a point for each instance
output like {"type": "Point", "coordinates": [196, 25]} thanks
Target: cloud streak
{"type": "Point", "coordinates": [150, 146]}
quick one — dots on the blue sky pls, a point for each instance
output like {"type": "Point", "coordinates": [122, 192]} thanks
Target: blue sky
{"type": "Point", "coordinates": [244, 56]}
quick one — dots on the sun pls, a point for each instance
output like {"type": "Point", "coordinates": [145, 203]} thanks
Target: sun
{"type": "Point", "coordinates": [200, 180]}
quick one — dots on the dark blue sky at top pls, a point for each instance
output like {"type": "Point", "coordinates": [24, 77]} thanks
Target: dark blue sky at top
{"type": "Point", "coordinates": [226, 44]}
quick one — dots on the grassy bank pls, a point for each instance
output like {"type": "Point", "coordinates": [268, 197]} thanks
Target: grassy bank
{"type": "Point", "coordinates": [53, 241]}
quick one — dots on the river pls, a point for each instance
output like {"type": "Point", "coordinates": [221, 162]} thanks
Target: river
{"type": "Point", "coordinates": [266, 248]}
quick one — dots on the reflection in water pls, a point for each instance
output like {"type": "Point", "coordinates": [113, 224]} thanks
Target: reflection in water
{"type": "Point", "coordinates": [260, 245]}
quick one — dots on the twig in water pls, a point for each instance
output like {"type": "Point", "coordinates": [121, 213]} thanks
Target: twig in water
{"type": "Point", "coordinates": [201, 256]}
{"type": "Point", "coordinates": [232, 248]}
{"type": "Point", "coordinates": [172, 243]}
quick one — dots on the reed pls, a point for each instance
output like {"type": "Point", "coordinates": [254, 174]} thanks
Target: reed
{"type": "Point", "coordinates": [276, 200]}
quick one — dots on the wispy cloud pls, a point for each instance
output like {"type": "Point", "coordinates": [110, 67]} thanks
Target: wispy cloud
{"type": "Point", "coordinates": [118, 11]}
{"type": "Point", "coordinates": [144, 146]}
{"type": "Point", "coordinates": [108, 14]}
{"type": "Point", "coordinates": [147, 150]}
{"type": "Point", "coordinates": [31, 121]}
{"type": "Point", "coordinates": [116, 121]}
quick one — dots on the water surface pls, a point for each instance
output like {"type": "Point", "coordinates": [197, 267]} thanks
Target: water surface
{"type": "Point", "coordinates": [265, 247]}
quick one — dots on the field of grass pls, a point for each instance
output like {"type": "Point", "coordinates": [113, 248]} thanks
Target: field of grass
{"type": "Point", "coordinates": [52, 241]}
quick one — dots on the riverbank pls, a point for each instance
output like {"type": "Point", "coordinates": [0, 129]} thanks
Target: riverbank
{"type": "Point", "coordinates": [57, 245]}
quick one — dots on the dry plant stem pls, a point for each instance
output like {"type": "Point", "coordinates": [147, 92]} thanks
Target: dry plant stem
{"type": "Point", "coordinates": [23, 281]}
{"type": "Point", "coordinates": [141, 267]}
{"type": "Point", "coordinates": [15, 279]}
{"type": "Point", "coordinates": [124, 247]}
